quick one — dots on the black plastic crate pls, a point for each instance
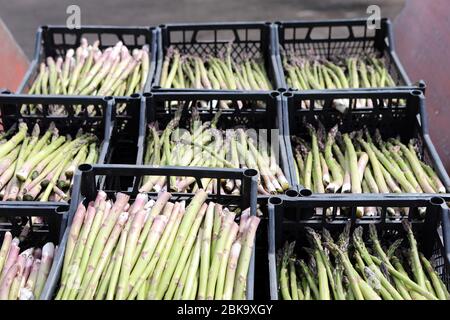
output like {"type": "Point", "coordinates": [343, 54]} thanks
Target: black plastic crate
{"type": "Point", "coordinates": [97, 121]}
{"type": "Point", "coordinates": [88, 182]}
{"type": "Point", "coordinates": [50, 229]}
{"type": "Point", "coordinates": [54, 40]}
{"type": "Point", "coordinates": [394, 112]}
{"type": "Point", "coordinates": [254, 110]}
{"type": "Point", "coordinates": [125, 128]}
{"type": "Point", "coordinates": [250, 38]}
{"type": "Point", "coordinates": [327, 38]}
{"type": "Point", "coordinates": [262, 288]}
{"type": "Point", "coordinates": [287, 222]}
{"type": "Point", "coordinates": [125, 135]}
{"type": "Point", "coordinates": [13, 219]}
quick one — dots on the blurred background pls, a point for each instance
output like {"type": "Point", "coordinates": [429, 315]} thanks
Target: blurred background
{"type": "Point", "coordinates": [22, 17]}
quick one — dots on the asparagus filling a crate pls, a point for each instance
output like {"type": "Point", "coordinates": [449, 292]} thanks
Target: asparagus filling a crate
{"type": "Point", "coordinates": [206, 145]}
{"type": "Point", "coordinates": [40, 166]}
{"type": "Point", "coordinates": [23, 274]}
{"type": "Point", "coordinates": [87, 70]}
{"type": "Point", "coordinates": [219, 72]}
{"type": "Point", "coordinates": [157, 249]}
{"type": "Point", "coordinates": [335, 271]}
{"type": "Point", "coordinates": [339, 73]}
{"type": "Point", "coordinates": [361, 162]}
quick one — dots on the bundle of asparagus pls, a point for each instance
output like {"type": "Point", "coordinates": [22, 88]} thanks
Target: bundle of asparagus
{"type": "Point", "coordinates": [23, 275]}
{"type": "Point", "coordinates": [157, 250]}
{"type": "Point", "coordinates": [358, 274]}
{"type": "Point", "coordinates": [204, 145]}
{"type": "Point", "coordinates": [351, 163]}
{"type": "Point", "coordinates": [41, 167]}
{"type": "Point", "coordinates": [340, 72]}
{"type": "Point", "coordinates": [88, 70]}
{"type": "Point", "coordinates": [221, 72]}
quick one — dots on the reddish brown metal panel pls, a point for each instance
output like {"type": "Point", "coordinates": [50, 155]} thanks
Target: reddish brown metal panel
{"type": "Point", "coordinates": [422, 34]}
{"type": "Point", "coordinates": [13, 62]}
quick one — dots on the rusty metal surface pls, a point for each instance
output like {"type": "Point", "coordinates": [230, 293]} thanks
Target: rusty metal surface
{"type": "Point", "coordinates": [13, 62]}
{"type": "Point", "coordinates": [423, 44]}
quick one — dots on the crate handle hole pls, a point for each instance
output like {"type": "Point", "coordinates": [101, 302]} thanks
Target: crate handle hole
{"type": "Point", "coordinates": [250, 173]}
{"type": "Point", "coordinates": [275, 200]}
{"type": "Point", "coordinates": [147, 94]}
{"type": "Point", "coordinates": [291, 193]}
{"type": "Point", "coordinates": [274, 94]}
{"type": "Point", "coordinates": [85, 167]}
{"type": "Point", "coordinates": [417, 93]}
{"type": "Point", "coordinates": [437, 201]}
{"type": "Point", "coordinates": [288, 94]}
{"type": "Point", "coordinates": [61, 210]}
{"type": "Point", "coordinates": [136, 95]}
{"type": "Point", "coordinates": [422, 84]}
{"type": "Point", "coordinates": [305, 193]}
{"type": "Point", "coordinates": [281, 90]}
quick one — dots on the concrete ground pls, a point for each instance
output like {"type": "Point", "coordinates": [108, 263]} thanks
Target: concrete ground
{"type": "Point", "coordinates": [24, 16]}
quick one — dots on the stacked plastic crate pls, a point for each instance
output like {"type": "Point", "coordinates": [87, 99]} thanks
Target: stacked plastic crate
{"type": "Point", "coordinates": [290, 83]}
